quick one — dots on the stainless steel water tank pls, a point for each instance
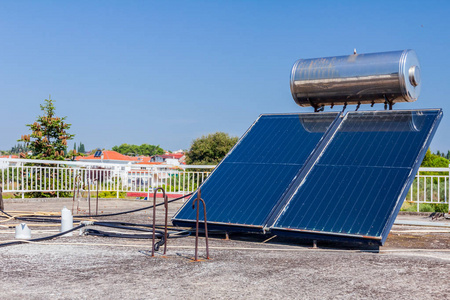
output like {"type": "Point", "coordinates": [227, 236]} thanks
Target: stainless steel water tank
{"type": "Point", "coordinates": [358, 78]}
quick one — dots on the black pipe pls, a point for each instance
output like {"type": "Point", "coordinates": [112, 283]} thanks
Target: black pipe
{"type": "Point", "coordinates": [42, 238]}
{"type": "Point", "coordinates": [160, 234]}
{"type": "Point", "coordinates": [48, 218]}
{"type": "Point", "coordinates": [96, 232]}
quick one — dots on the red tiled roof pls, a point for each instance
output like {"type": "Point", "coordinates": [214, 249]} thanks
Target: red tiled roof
{"type": "Point", "coordinates": [113, 155]}
{"type": "Point", "coordinates": [9, 156]}
{"type": "Point", "coordinates": [109, 155]}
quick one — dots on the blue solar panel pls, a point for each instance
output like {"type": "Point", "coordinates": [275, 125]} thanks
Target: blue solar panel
{"type": "Point", "coordinates": [358, 183]}
{"type": "Point", "coordinates": [98, 153]}
{"type": "Point", "coordinates": [319, 175]}
{"type": "Point", "coordinates": [250, 181]}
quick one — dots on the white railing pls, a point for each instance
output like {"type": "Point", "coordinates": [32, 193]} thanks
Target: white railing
{"type": "Point", "coordinates": [28, 176]}
{"type": "Point", "coordinates": [431, 185]}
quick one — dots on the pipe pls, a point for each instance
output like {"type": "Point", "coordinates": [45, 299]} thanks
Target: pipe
{"type": "Point", "coordinates": [43, 238]}
{"type": "Point", "coordinates": [116, 214]}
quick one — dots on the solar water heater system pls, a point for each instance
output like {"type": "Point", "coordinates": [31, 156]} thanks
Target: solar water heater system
{"type": "Point", "coordinates": [339, 176]}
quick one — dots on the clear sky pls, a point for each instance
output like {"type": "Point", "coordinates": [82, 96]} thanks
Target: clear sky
{"type": "Point", "coordinates": [166, 72]}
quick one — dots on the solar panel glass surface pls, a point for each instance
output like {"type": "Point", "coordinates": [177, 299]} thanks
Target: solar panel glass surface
{"type": "Point", "coordinates": [361, 178]}
{"type": "Point", "coordinates": [248, 183]}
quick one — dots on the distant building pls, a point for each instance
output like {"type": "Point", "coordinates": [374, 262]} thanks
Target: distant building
{"type": "Point", "coordinates": [170, 159]}
{"type": "Point", "coordinates": [108, 156]}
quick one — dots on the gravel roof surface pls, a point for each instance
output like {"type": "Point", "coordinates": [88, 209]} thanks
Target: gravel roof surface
{"type": "Point", "coordinates": [414, 263]}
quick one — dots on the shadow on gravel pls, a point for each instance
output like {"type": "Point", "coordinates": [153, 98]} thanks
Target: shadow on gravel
{"type": "Point", "coordinates": [288, 241]}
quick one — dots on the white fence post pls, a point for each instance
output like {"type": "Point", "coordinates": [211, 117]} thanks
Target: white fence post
{"type": "Point", "coordinates": [141, 179]}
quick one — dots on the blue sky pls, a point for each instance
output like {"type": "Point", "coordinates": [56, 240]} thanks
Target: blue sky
{"type": "Point", "coordinates": [166, 72]}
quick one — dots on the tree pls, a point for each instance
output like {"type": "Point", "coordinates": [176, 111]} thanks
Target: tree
{"type": "Point", "coordinates": [210, 149]}
{"type": "Point", "coordinates": [434, 161]}
{"type": "Point", "coordinates": [81, 148]}
{"type": "Point", "coordinates": [144, 149]}
{"type": "Point", "coordinates": [17, 149]}
{"type": "Point", "coordinates": [48, 138]}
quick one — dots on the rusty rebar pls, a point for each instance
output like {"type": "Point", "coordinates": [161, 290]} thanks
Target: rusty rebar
{"type": "Point", "coordinates": [197, 200]}
{"type": "Point", "coordinates": [166, 205]}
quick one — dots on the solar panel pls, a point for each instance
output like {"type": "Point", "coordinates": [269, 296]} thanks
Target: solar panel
{"type": "Point", "coordinates": [251, 179]}
{"type": "Point", "coordinates": [358, 183]}
{"type": "Point", "coordinates": [98, 153]}
{"type": "Point", "coordinates": [320, 176]}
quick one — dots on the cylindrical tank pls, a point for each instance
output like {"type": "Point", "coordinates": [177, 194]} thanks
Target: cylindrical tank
{"type": "Point", "coordinates": [359, 78]}
{"type": "Point", "coordinates": [66, 221]}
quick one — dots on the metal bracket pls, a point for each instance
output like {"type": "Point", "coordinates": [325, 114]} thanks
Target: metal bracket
{"type": "Point", "coordinates": [386, 102]}
{"type": "Point", "coordinates": [319, 109]}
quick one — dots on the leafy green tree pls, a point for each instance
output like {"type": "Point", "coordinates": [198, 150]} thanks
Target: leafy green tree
{"type": "Point", "coordinates": [81, 148]}
{"type": "Point", "coordinates": [17, 149]}
{"type": "Point", "coordinates": [434, 161]}
{"type": "Point", "coordinates": [48, 140]}
{"type": "Point", "coordinates": [144, 149]}
{"type": "Point", "coordinates": [210, 149]}
{"type": "Point", "coordinates": [49, 136]}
